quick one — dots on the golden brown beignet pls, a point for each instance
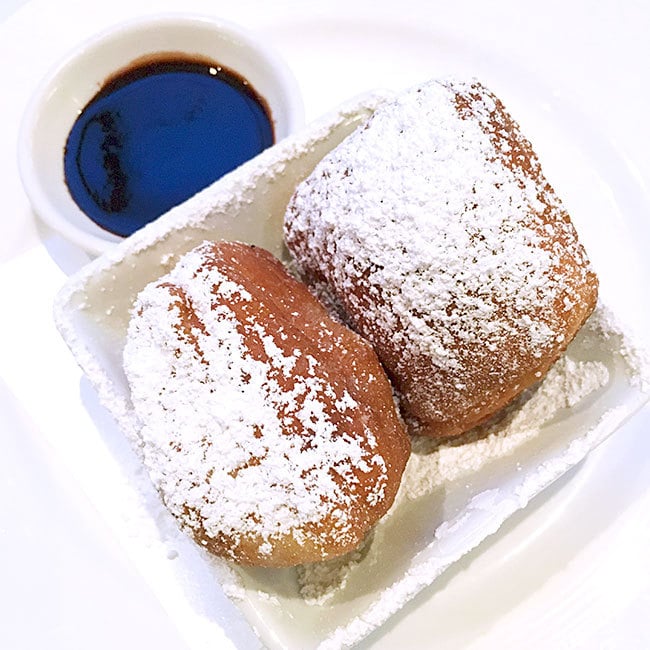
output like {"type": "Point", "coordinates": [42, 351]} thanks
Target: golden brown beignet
{"type": "Point", "coordinates": [434, 228]}
{"type": "Point", "coordinates": [269, 429]}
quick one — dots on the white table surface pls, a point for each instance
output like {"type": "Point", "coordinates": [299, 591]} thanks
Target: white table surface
{"type": "Point", "coordinates": [62, 592]}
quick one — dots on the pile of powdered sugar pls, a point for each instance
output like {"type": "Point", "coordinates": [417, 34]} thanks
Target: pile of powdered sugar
{"type": "Point", "coordinates": [434, 463]}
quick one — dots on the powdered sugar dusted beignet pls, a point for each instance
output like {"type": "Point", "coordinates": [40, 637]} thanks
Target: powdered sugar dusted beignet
{"type": "Point", "coordinates": [434, 228]}
{"type": "Point", "coordinates": [269, 429]}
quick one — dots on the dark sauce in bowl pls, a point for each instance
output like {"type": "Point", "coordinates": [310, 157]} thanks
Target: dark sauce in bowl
{"type": "Point", "coordinates": [158, 132]}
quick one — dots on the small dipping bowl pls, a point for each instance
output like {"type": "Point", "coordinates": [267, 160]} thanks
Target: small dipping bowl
{"type": "Point", "coordinates": [76, 80]}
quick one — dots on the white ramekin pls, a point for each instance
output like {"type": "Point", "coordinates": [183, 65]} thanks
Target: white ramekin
{"type": "Point", "coordinates": [75, 80]}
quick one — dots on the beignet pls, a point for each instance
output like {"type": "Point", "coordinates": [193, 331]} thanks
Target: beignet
{"type": "Point", "coordinates": [435, 230]}
{"type": "Point", "coordinates": [269, 429]}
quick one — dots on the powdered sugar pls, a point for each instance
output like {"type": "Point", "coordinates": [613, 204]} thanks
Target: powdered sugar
{"type": "Point", "coordinates": [319, 582]}
{"type": "Point", "coordinates": [435, 463]}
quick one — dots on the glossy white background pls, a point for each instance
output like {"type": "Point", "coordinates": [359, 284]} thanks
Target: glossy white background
{"type": "Point", "coordinates": [572, 571]}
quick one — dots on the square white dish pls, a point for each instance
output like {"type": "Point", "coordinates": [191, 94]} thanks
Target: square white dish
{"type": "Point", "coordinates": [454, 495]}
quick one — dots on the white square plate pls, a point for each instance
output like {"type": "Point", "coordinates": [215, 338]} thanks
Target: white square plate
{"type": "Point", "coordinates": [454, 495]}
